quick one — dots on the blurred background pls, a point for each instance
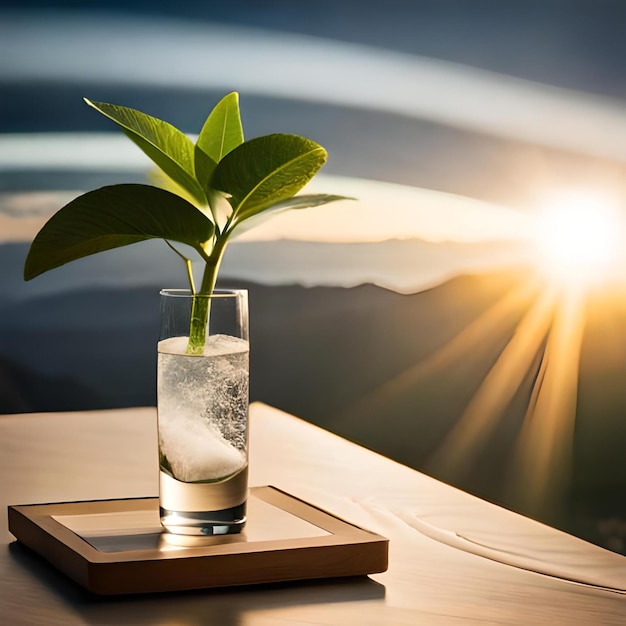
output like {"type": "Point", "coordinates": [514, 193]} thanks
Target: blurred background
{"type": "Point", "coordinates": [465, 316]}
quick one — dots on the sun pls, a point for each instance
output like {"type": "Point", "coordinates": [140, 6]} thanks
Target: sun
{"type": "Point", "coordinates": [579, 238]}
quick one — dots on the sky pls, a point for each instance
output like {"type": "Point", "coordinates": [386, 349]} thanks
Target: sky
{"type": "Point", "coordinates": [127, 52]}
{"type": "Point", "coordinates": [379, 211]}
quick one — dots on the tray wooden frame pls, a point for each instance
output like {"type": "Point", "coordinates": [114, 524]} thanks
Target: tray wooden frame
{"type": "Point", "coordinates": [346, 550]}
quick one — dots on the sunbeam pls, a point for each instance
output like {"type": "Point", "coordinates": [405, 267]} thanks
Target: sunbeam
{"type": "Point", "coordinates": [471, 433]}
{"type": "Point", "coordinates": [542, 462]}
{"type": "Point", "coordinates": [494, 321]}
{"type": "Point", "coordinates": [579, 239]}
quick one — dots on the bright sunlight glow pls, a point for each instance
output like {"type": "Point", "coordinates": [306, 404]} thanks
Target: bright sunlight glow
{"type": "Point", "coordinates": [578, 237]}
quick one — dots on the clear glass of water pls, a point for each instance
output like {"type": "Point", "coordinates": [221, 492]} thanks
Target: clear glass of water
{"type": "Point", "coordinates": [202, 402]}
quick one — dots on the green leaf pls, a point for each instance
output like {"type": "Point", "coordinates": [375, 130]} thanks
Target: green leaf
{"type": "Point", "coordinates": [205, 166]}
{"type": "Point", "coordinates": [221, 133]}
{"type": "Point", "coordinates": [115, 216]}
{"type": "Point", "coordinates": [267, 170]}
{"type": "Point", "coordinates": [167, 146]}
{"type": "Point", "coordinates": [296, 202]}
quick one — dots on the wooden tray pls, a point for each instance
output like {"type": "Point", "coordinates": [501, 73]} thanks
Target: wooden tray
{"type": "Point", "coordinates": [117, 547]}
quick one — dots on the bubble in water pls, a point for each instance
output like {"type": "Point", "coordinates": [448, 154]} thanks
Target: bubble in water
{"type": "Point", "coordinates": [203, 407]}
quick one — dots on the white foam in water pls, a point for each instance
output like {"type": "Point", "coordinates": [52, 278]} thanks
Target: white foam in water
{"type": "Point", "coordinates": [215, 345]}
{"type": "Point", "coordinates": [203, 403]}
{"type": "Point", "coordinates": [198, 451]}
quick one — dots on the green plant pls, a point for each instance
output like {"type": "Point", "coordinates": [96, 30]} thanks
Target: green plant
{"type": "Point", "coordinates": [222, 183]}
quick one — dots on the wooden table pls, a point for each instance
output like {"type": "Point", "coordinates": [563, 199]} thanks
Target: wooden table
{"type": "Point", "coordinates": [446, 547]}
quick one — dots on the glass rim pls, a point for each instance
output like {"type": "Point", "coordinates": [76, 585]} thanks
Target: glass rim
{"type": "Point", "coordinates": [217, 293]}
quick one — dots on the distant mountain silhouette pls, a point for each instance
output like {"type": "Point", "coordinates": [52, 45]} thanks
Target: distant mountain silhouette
{"type": "Point", "coordinates": [103, 340]}
{"type": "Point", "coordinates": [314, 350]}
{"type": "Point", "coordinates": [24, 391]}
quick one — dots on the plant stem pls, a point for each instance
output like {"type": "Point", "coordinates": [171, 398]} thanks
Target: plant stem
{"type": "Point", "coordinates": [201, 302]}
